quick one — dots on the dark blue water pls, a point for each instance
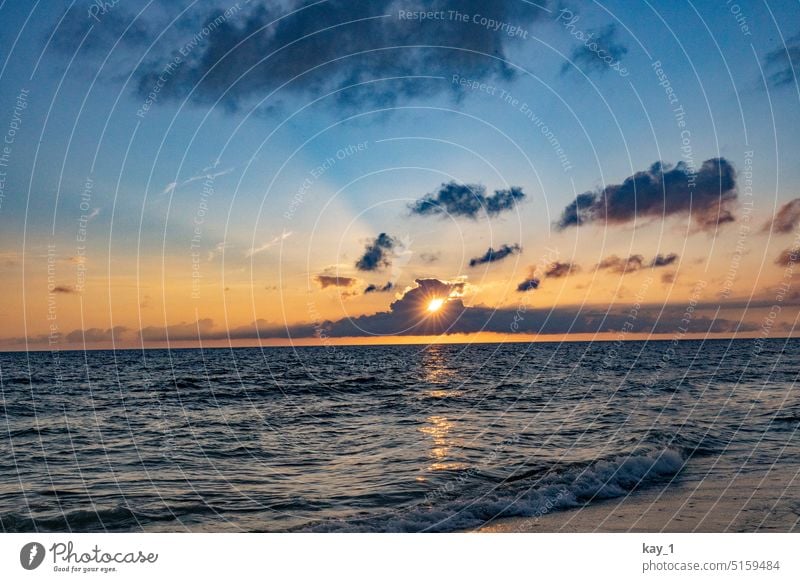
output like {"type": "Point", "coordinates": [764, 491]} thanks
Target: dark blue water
{"type": "Point", "coordinates": [407, 438]}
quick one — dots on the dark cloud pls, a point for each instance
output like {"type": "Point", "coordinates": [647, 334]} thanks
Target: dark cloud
{"type": "Point", "coordinates": [668, 278]}
{"type": "Point", "coordinates": [617, 264]}
{"type": "Point", "coordinates": [492, 256]}
{"type": "Point", "coordinates": [408, 316]}
{"type": "Point", "coordinates": [326, 281]}
{"type": "Point", "coordinates": [708, 196]}
{"type": "Point", "coordinates": [468, 200]}
{"type": "Point", "coordinates": [786, 219]}
{"type": "Point", "coordinates": [379, 288]}
{"type": "Point", "coordinates": [377, 254]}
{"type": "Point", "coordinates": [783, 63]}
{"type": "Point", "coordinates": [528, 285]}
{"type": "Point", "coordinates": [608, 52]}
{"type": "Point", "coordinates": [663, 260]}
{"type": "Point", "coordinates": [788, 257]}
{"type": "Point", "coordinates": [311, 49]}
{"type": "Point", "coordinates": [65, 289]}
{"type": "Point", "coordinates": [557, 269]}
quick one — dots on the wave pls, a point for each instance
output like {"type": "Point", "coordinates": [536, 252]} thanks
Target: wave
{"type": "Point", "coordinates": [575, 487]}
{"type": "Point", "coordinates": [119, 518]}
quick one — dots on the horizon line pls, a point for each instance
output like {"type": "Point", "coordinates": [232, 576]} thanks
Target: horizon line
{"type": "Point", "coordinates": [355, 341]}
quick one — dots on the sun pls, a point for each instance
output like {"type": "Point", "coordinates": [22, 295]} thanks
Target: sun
{"type": "Point", "coordinates": [435, 305]}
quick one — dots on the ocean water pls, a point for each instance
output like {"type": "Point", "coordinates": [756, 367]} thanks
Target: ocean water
{"type": "Point", "coordinates": [388, 438]}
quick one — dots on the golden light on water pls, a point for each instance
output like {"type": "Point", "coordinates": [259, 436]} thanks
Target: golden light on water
{"type": "Point", "coordinates": [435, 305]}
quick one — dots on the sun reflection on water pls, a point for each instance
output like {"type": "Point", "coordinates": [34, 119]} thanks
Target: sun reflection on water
{"type": "Point", "coordinates": [438, 430]}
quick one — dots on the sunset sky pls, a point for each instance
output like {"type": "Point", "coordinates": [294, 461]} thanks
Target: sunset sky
{"type": "Point", "coordinates": [320, 172]}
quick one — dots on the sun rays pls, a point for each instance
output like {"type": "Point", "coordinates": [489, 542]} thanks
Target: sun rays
{"type": "Point", "coordinates": [435, 305]}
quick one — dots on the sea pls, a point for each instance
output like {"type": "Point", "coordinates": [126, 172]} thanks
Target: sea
{"type": "Point", "coordinates": [407, 438]}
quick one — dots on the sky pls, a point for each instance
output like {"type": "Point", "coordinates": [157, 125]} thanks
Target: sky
{"type": "Point", "coordinates": [314, 173]}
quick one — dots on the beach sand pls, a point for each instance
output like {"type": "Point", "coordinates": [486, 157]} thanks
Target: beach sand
{"type": "Point", "coordinates": [758, 502]}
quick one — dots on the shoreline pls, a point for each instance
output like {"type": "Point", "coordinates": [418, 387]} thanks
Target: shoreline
{"type": "Point", "coordinates": [746, 503]}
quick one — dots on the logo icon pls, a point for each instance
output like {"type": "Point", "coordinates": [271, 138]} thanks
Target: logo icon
{"type": "Point", "coordinates": [31, 555]}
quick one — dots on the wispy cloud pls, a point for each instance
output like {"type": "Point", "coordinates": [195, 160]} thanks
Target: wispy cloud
{"type": "Point", "coordinates": [557, 270]}
{"type": "Point", "coordinates": [206, 175]}
{"type": "Point", "coordinates": [786, 219]}
{"type": "Point", "coordinates": [783, 63]}
{"type": "Point", "coordinates": [269, 244]}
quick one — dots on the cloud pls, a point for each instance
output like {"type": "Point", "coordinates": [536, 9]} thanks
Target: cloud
{"type": "Point", "coordinates": [634, 263]}
{"type": "Point", "coordinates": [667, 278]}
{"type": "Point", "coordinates": [201, 329]}
{"type": "Point", "coordinates": [557, 269]}
{"type": "Point", "coordinates": [492, 256]}
{"type": "Point", "coordinates": [708, 196]}
{"type": "Point", "coordinates": [607, 52]}
{"type": "Point", "coordinates": [172, 186]}
{"type": "Point", "coordinates": [468, 200]}
{"type": "Point", "coordinates": [663, 260]}
{"type": "Point", "coordinates": [429, 258]}
{"type": "Point", "coordinates": [269, 244]}
{"type": "Point", "coordinates": [786, 220]}
{"type": "Point", "coordinates": [617, 264]}
{"type": "Point", "coordinates": [65, 289]}
{"type": "Point", "coordinates": [528, 285]}
{"type": "Point", "coordinates": [310, 49]}
{"type": "Point", "coordinates": [379, 289]}
{"type": "Point", "coordinates": [783, 63]}
{"type": "Point", "coordinates": [218, 250]}
{"type": "Point", "coordinates": [788, 257]}
{"type": "Point", "coordinates": [377, 254]}
{"type": "Point", "coordinates": [326, 281]}
{"type": "Point", "coordinates": [95, 335]}
{"type": "Point", "coordinates": [408, 316]}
